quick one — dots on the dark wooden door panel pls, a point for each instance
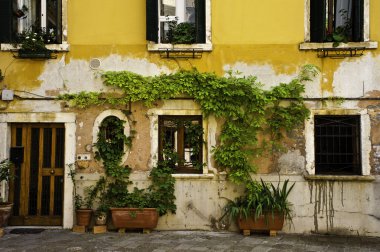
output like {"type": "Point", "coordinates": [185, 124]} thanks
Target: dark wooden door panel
{"type": "Point", "coordinates": [37, 191]}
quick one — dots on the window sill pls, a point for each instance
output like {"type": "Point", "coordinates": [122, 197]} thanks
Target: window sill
{"type": "Point", "coordinates": [329, 45]}
{"type": "Point", "coordinates": [64, 47]}
{"type": "Point", "coordinates": [152, 47]}
{"type": "Point", "coordinates": [365, 178]}
{"type": "Point", "coordinates": [193, 176]}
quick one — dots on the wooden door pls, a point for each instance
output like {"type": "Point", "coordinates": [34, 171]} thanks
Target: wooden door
{"type": "Point", "coordinates": [37, 190]}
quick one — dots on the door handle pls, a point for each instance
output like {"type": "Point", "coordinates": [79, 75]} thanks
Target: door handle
{"type": "Point", "coordinates": [52, 171]}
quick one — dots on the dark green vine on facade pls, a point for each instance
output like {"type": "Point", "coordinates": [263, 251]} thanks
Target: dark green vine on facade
{"type": "Point", "coordinates": [110, 149]}
{"type": "Point", "coordinates": [247, 109]}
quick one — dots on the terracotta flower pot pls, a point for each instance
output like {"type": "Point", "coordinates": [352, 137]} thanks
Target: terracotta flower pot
{"type": "Point", "coordinates": [5, 213]}
{"type": "Point", "coordinates": [84, 217]}
{"type": "Point", "coordinates": [101, 219]}
{"type": "Point", "coordinates": [145, 218]}
{"type": "Point", "coordinates": [266, 222]}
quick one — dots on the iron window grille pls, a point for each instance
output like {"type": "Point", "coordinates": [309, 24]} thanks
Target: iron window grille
{"type": "Point", "coordinates": [337, 145]}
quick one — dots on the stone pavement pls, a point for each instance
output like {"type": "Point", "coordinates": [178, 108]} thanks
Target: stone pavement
{"type": "Point", "coordinates": [160, 241]}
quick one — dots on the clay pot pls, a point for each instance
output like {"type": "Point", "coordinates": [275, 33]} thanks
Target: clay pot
{"type": "Point", "coordinates": [101, 219]}
{"type": "Point", "coordinates": [5, 213]}
{"type": "Point", "coordinates": [84, 217]}
{"type": "Point", "coordinates": [145, 218]}
{"type": "Point", "coordinates": [265, 222]}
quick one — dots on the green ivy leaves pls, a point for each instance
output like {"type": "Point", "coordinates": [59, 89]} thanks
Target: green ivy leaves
{"type": "Point", "coordinates": [248, 109]}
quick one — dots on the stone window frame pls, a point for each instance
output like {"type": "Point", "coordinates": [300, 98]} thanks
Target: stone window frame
{"type": "Point", "coordinates": [183, 108]}
{"type": "Point", "coordinates": [365, 143]}
{"type": "Point", "coordinates": [366, 43]}
{"type": "Point", "coordinates": [207, 46]}
{"type": "Point", "coordinates": [180, 140]}
{"type": "Point", "coordinates": [99, 119]}
{"type": "Point", "coordinates": [64, 46]}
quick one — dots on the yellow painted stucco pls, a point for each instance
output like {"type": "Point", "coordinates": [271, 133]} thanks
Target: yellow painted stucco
{"type": "Point", "coordinates": [255, 33]}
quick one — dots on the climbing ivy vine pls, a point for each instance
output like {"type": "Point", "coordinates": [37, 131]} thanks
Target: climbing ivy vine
{"type": "Point", "coordinates": [247, 108]}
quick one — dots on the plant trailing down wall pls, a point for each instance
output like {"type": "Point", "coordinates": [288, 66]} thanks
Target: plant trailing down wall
{"type": "Point", "coordinates": [247, 108]}
{"type": "Point", "coordinates": [110, 149]}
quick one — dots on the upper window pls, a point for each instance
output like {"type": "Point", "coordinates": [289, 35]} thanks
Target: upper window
{"type": "Point", "coordinates": [17, 16]}
{"type": "Point", "coordinates": [181, 142]}
{"type": "Point", "coordinates": [167, 19]}
{"type": "Point", "coordinates": [337, 145]}
{"type": "Point", "coordinates": [336, 20]}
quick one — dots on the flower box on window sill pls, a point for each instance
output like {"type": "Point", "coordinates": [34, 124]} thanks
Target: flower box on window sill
{"type": "Point", "coordinates": [27, 54]}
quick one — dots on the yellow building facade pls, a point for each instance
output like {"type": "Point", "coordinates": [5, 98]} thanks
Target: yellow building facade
{"type": "Point", "coordinates": [269, 39]}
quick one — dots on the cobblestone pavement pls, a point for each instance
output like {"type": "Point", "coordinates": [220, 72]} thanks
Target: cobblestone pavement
{"type": "Point", "coordinates": [160, 241]}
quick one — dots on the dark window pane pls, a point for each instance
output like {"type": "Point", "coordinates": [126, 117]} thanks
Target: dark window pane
{"type": "Point", "coordinates": [58, 195]}
{"type": "Point", "coordinates": [46, 163]}
{"type": "Point", "coordinates": [60, 148]}
{"type": "Point", "coordinates": [45, 197]}
{"type": "Point", "coordinates": [181, 141]}
{"type": "Point", "coordinates": [33, 176]}
{"type": "Point", "coordinates": [337, 151]}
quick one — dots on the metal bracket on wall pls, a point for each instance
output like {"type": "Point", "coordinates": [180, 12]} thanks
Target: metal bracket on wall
{"type": "Point", "coordinates": [195, 53]}
{"type": "Point", "coordinates": [340, 52]}
{"type": "Point", "coordinates": [36, 55]}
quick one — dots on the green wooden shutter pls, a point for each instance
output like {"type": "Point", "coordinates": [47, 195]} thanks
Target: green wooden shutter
{"type": "Point", "coordinates": [152, 20]}
{"type": "Point", "coordinates": [317, 20]}
{"type": "Point", "coordinates": [357, 20]}
{"type": "Point", "coordinates": [6, 21]}
{"type": "Point", "coordinates": [200, 21]}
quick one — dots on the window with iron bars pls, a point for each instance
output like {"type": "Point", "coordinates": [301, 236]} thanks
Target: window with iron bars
{"type": "Point", "coordinates": [337, 145]}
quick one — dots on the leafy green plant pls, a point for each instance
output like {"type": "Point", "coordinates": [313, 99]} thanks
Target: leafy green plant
{"type": "Point", "coordinates": [80, 201]}
{"type": "Point", "coordinates": [114, 190]}
{"type": "Point", "coordinates": [34, 39]}
{"type": "Point", "coordinates": [97, 194]}
{"type": "Point", "coordinates": [182, 33]}
{"type": "Point", "coordinates": [341, 34]}
{"type": "Point", "coordinates": [110, 145]}
{"type": "Point", "coordinates": [261, 199]}
{"type": "Point", "coordinates": [5, 170]}
{"type": "Point", "coordinates": [248, 109]}
{"type": "Point", "coordinates": [161, 191]}
{"type": "Point", "coordinates": [160, 194]}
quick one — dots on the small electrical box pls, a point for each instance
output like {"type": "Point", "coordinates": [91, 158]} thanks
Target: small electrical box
{"type": "Point", "coordinates": [84, 157]}
{"type": "Point", "coordinates": [7, 95]}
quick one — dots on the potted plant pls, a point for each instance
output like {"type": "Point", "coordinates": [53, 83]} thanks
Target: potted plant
{"type": "Point", "coordinates": [32, 43]}
{"type": "Point", "coordinates": [5, 207]}
{"type": "Point", "coordinates": [83, 205]}
{"type": "Point", "coordinates": [131, 207]}
{"type": "Point", "coordinates": [263, 207]}
{"type": "Point", "coordinates": [140, 208]}
{"type": "Point", "coordinates": [97, 195]}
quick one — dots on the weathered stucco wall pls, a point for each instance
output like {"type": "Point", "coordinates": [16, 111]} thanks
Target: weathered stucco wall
{"type": "Point", "coordinates": [252, 37]}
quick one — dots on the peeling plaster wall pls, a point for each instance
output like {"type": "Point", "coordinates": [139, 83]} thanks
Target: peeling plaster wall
{"type": "Point", "coordinates": [253, 45]}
